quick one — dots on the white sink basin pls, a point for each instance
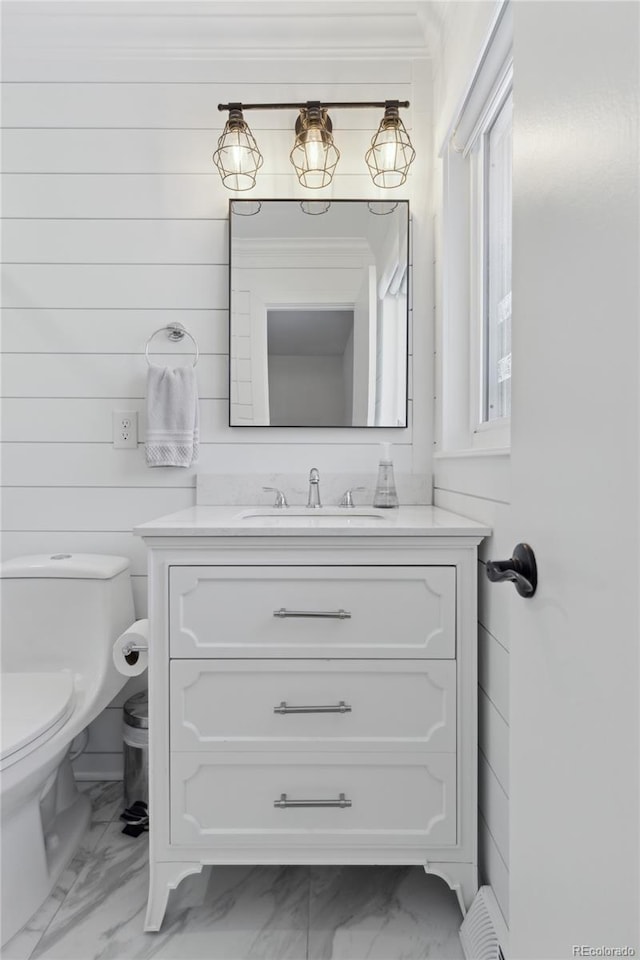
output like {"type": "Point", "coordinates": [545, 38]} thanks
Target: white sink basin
{"type": "Point", "coordinates": [328, 514]}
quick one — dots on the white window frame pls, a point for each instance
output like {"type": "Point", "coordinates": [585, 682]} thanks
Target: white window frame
{"type": "Point", "coordinates": [460, 429]}
{"type": "Point", "coordinates": [497, 432]}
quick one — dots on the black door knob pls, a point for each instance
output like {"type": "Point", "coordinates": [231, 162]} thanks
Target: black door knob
{"type": "Point", "coordinates": [521, 569]}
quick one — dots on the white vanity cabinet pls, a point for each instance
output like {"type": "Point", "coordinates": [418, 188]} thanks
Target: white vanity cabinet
{"type": "Point", "coordinates": [337, 610]}
{"type": "Point", "coordinates": [312, 698]}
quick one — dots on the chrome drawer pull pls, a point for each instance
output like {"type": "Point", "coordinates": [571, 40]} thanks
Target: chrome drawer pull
{"type": "Point", "coordinates": [341, 707]}
{"type": "Point", "coordinates": [282, 803]}
{"type": "Point", "coordinates": [331, 614]}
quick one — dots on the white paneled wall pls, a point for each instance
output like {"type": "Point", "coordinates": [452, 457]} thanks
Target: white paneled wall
{"type": "Point", "coordinates": [493, 663]}
{"type": "Point", "coordinates": [115, 223]}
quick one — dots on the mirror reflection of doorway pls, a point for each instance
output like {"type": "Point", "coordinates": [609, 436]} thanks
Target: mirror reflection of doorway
{"type": "Point", "coordinates": [283, 261]}
{"type": "Point", "coordinates": [310, 366]}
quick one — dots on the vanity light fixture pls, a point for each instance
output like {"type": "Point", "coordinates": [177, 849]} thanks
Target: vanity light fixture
{"type": "Point", "coordinates": [314, 154]}
{"type": "Point", "coordinates": [391, 152]}
{"type": "Point", "coordinates": [237, 157]}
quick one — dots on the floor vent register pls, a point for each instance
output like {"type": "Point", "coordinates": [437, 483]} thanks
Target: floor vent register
{"type": "Point", "coordinates": [483, 933]}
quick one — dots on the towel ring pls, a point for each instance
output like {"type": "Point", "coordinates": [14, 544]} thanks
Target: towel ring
{"type": "Point", "coordinates": [176, 332]}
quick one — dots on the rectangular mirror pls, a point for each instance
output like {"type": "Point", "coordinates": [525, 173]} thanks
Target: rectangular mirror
{"type": "Point", "coordinates": [318, 313]}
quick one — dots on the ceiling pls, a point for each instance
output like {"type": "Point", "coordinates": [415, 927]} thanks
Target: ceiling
{"type": "Point", "coordinates": [308, 333]}
{"type": "Point", "coordinates": [247, 29]}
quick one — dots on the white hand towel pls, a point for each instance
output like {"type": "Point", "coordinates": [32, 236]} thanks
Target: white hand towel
{"type": "Point", "coordinates": [173, 433]}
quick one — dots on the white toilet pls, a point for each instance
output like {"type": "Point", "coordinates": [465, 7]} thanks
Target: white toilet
{"type": "Point", "coordinates": [60, 617]}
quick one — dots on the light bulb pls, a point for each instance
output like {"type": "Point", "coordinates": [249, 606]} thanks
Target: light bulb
{"type": "Point", "coordinates": [240, 158]}
{"type": "Point", "coordinates": [387, 152]}
{"type": "Point", "coordinates": [314, 150]}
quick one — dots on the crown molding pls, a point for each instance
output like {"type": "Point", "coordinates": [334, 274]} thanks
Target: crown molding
{"type": "Point", "coordinates": [330, 253]}
{"type": "Point", "coordinates": [205, 29]}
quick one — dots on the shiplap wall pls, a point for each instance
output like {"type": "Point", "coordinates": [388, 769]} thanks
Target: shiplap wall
{"type": "Point", "coordinates": [114, 224]}
{"type": "Point", "coordinates": [455, 490]}
{"type": "Point", "coordinates": [478, 487]}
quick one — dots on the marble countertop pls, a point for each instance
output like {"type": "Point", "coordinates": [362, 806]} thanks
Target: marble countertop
{"type": "Point", "coordinates": [251, 520]}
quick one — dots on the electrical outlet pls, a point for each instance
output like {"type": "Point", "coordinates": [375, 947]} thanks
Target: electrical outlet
{"type": "Point", "coordinates": [125, 429]}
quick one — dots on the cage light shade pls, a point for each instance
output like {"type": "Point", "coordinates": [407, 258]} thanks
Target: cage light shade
{"type": "Point", "coordinates": [314, 154]}
{"type": "Point", "coordinates": [237, 158]}
{"type": "Point", "coordinates": [391, 152]}
{"type": "Point", "coordinates": [315, 208]}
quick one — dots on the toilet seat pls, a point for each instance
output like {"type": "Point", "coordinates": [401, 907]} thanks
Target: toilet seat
{"type": "Point", "coordinates": [34, 706]}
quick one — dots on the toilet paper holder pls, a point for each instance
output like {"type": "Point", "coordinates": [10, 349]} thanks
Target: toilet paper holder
{"type": "Point", "coordinates": [132, 647]}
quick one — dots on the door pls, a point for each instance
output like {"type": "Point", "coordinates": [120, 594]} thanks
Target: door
{"type": "Point", "coordinates": [574, 656]}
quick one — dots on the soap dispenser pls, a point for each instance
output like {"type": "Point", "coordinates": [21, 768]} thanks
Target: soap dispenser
{"type": "Point", "coordinates": [385, 495]}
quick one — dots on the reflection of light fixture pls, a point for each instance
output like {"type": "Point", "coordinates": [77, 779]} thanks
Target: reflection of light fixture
{"type": "Point", "coordinates": [246, 208]}
{"type": "Point", "coordinates": [315, 207]}
{"type": "Point", "coordinates": [314, 154]}
{"type": "Point", "coordinates": [237, 157]}
{"type": "Point", "coordinates": [391, 152]}
{"type": "Point", "coordinates": [381, 207]}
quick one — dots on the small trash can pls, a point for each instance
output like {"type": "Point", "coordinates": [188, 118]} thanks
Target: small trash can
{"type": "Point", "coordinates": [136, 749]}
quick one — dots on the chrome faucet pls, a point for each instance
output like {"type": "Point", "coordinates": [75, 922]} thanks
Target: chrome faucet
{"type": "Point", "coordinates": [347, 497]}
{"type": "Point", "coordinates": [281, 500]}
{"type": "Point", "coordinates": [314, 488]}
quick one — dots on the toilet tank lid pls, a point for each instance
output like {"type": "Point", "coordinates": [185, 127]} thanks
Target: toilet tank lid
{"type": "Point", "coordinates": [79, 566]}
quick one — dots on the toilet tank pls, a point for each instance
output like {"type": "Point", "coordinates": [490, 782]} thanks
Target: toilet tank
{"type": "Point", "coordinates": [64, 611]}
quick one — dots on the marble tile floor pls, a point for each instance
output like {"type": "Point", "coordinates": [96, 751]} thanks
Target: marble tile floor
{"type": "Point", "coordinates": [97, 910]}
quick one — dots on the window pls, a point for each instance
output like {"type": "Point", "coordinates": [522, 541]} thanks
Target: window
{"type": "Point", "coordinates": [474, 335]}
{"type": "Point", "coordinates": [491, 261]}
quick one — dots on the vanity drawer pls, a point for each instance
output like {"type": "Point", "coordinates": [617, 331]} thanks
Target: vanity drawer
{"type": "Point", "coordinates": [403, 799]}
{"type": "Point", "coordinates": [370, 612]}
{"type": "Point", "coordinates": [329, 704]}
